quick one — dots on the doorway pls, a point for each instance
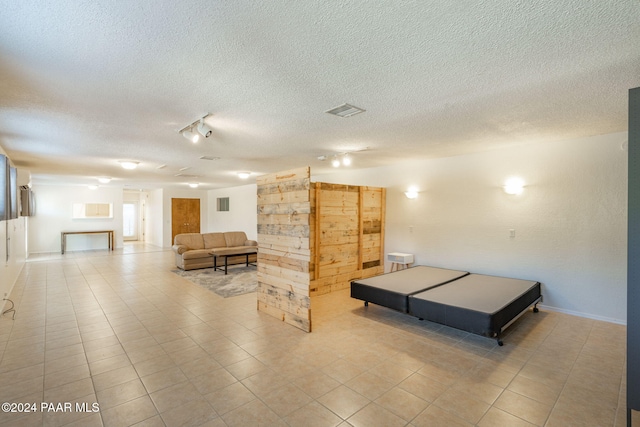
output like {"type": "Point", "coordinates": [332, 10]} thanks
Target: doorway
{"type": "Point", "coordinates": [130, 220]}
{"type": "Point", "coordinates": [185, 216]}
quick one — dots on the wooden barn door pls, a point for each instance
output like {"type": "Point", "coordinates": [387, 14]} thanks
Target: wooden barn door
{"type": "Point", "coordinates": [185, 216]}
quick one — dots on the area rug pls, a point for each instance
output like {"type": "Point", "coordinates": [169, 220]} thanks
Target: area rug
{"type": "Point", "coordinates": [240, 280]}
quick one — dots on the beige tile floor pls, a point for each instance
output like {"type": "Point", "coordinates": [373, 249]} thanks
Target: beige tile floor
{"type": "Point", "coordinates": [119, 330]}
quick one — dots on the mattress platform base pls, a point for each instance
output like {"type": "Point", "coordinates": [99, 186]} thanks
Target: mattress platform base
{"type": "Point", "coordinates": [535, 310]}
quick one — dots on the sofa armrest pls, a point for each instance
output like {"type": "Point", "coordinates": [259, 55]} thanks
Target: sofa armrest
{"type": "Point", "coordinates": [250, 243]}
{"type": "Point", "coordinates": [179, 249]}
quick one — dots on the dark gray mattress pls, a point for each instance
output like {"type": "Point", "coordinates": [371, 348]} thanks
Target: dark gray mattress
{"type": "Point", "coordinates": [393, 289]}
{"type": "Point", "coordinates": [476, 303]}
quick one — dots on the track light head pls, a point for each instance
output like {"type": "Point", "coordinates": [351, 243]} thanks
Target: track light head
{"type": "Point", "coordinates": [335, 162]}
{"type": "Point", "coordinates": [204, 130]}
{"type": "Point", "coordinates": [193, 137]}
{"type": "Point", "coordinates": [346, 160]}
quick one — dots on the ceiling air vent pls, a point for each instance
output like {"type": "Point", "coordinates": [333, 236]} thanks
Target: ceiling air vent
{"type": "Point", "coordinates": [209, 158]}
{"type": "Point", "coordinates": [345, 110]}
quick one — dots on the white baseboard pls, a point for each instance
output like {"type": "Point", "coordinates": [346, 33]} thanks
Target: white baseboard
{"type": "Point", "coordinates": [581, 314]}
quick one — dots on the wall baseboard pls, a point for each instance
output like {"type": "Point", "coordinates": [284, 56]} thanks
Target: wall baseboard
{"type": "Point", "coordinates": [581, 314]}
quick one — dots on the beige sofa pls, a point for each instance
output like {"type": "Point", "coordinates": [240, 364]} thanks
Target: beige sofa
{"type": "Point", "coordinates": [193, 250]}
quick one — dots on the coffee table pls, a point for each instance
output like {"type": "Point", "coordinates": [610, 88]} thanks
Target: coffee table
{"type": "Point", "coordinates": [245, 252]}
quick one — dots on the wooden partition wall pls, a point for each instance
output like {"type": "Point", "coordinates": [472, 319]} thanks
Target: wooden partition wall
{"type": "Point", "coordinates": [283, 246]}
{"type": "Point", "coordinates": [347, 236]}
{"type": "Point", "coordinates": [314, 238]}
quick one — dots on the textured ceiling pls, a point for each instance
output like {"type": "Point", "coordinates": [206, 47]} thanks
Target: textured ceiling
{"type": "Point", "coordinates": [84, 84]}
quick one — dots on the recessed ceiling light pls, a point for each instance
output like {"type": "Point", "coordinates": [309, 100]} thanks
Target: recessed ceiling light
{"type": "Point", "coordinates": [345, 110]}
{"type": "Point", "coordinates": [93, 187]}
{"type": "Point", "coordinates": [244, 175]}
{"type": "Point", "coordinates": [193, 184]}
{"type": "Point", "coordinates": [104, 179]}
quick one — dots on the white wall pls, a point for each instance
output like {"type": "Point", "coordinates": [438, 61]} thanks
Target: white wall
{"type": "Point", "coordinates": [570, 222]}
{"type": "Point", "coordinates": [242, 214]}
{"type": "Point", "coordinates": [54, 215]}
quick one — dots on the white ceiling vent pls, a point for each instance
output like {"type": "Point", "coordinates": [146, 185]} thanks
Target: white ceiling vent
{"type": "Point", "coordinates": [345, 110]}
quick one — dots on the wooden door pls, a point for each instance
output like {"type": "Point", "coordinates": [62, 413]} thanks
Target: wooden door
{"type": "Point", "coordinates": [185, 216]}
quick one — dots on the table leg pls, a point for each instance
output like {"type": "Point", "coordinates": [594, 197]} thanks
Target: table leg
{"type": "Point", "coordinates": [226, 257]}
{"type": "Point", "coordinates": [215, 263]}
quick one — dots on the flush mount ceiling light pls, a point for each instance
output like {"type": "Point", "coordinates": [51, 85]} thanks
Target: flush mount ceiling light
{"type": "Point", "coordinates": [129, 164]}
{"type": "Point", "coordinates": [244, 175]}
{"type": "Point", "coordinates": [189, 131]}
{"type": "Point", "coordinates": [104, 179]}
{"type": "Point", "coordinates": [345, 110]}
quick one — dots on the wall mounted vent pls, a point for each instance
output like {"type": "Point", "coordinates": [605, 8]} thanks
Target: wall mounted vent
{"type": "Point", "coordinates": [345, 110]}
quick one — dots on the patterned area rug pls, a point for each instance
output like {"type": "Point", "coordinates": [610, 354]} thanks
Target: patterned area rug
{"type": "Point", "coordinates": [240, 280]}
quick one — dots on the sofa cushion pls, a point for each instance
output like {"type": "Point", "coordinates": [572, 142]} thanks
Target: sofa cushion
{"type": "Point", "coordinates": [214, 240]}
{"type": "Point", "coordinates": [190, 240]}
{"type": "Point", "coordinates": [235, 238]}
{"type": "Point", "coordinates": [236, 250]}
{"type": "Point", "coordinates": [197, 253]}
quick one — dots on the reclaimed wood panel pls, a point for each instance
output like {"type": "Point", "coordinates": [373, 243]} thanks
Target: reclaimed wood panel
{"type": "Point", "coordinates": [347, 233]}
{"type": "Point", "coordinates": [284, 252]}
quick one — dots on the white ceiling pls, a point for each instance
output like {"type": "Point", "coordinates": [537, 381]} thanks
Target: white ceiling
{"type": "Point", "coordinates": [84, 84]}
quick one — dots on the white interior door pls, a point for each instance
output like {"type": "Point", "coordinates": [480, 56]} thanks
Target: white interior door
{"type": "Point", "coordinates": [130, 221]}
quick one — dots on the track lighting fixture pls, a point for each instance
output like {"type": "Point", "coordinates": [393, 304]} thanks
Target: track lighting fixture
{"type": "Point", "coordinates": [204, 130]}
{"type": "Point", "coordinates": [193, 137]}
{"type": "Point", "coordinates": [343, 159]}
{"type": "Point", "coordinates": [193, 130]}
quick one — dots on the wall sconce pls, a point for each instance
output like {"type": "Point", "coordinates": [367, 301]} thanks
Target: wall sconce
{"type": "Point", "coordinates": [514, 186]}
{"type": "Point", "coordinates": [411, 193]}
{"type": "Point", "coordinates": [200, 126]}
{"type": "Point", "coordinates": [128, 164]}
